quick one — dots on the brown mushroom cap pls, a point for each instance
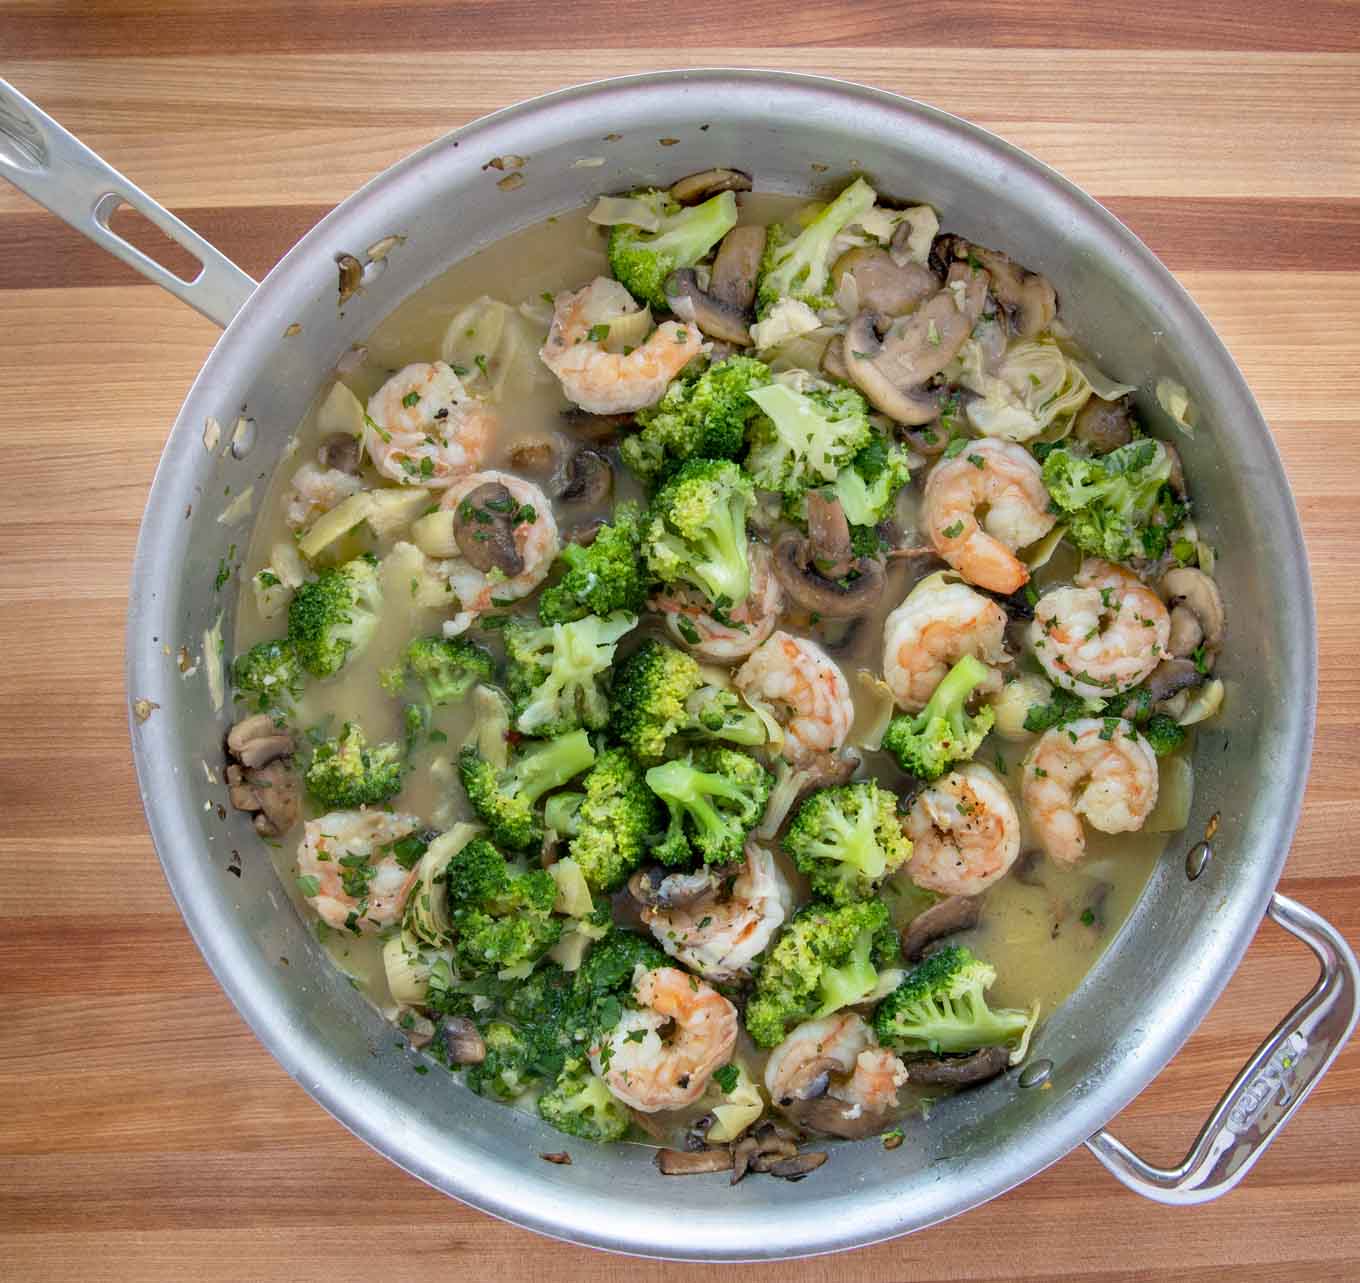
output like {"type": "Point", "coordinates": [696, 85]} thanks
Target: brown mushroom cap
{"type": "Point", "coordinates": [714, 318]}
{"type": "Point", "coordinates": [341, 452]}
{"type": "Point", "coordinates": [589, 478]}
{"type": "Point", "coordinates": [828, 536]}
{"type": "Point", "coordinates": [1193, 589]}
{"type": "Point", "coordinates": [1104, 425]}
{"type": "Point", "coordinates": [959, 1071]}
{"type": "Point", "coordinates": [696, 188]}
{"type": "Point", "coordinates": [484, 529]}
{"type": "Point", "coordinates": [600, 429]}
{"type": "Point", "coordinates": [462, 1041]}
{"type": "Point", "coordinates": [892, 370]}
{"type": "Point", "coordinates": [882, 284]}
{"type": "Point", "coordinates": [736, 267]}
{"type": "Point", "coordinates": [1028, 299]}
{"type": "Point", "coordinates": [957, 913]}
{"type": "Point", "coordinates": [796, 570]}
{"type": "Point", "coordinates": [679, 1162]}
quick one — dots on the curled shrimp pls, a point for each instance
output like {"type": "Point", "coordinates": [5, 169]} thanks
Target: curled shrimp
{"type": "Point", "coordinates": [425, 428]}
{"type": "Point", "coordinates": [742, 629]}
{"type": "Point", "coordinates": [937, 625]}
{"type": "Point", "coordinates": [536, 542]}
{"type": "Point", "coordinates": [831, 1075]}
{"type": "Point", "coordinates": [1098, 768]}
{"type": "Point", "coordinates": [360, 885]}
{"type": "Point", "coordinates": [805, 690]}
{"type": "Point", "coordinates": [1102, 636]}
{"type": "Point", "coordinates": [1003, 478]}
{"type": "Point", "coordinates": [603, 382]}
{"type": "Point", "coordinates": [964, 830]}
{"type": "Point", "coordinates": [720, 934]}
{"type": "Point", "coordinates": [651, 1073]}
{"type": "Point", "coordinates": [315, 490]}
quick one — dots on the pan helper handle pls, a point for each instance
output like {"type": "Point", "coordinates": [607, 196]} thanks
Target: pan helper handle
{"type": "Point", "coordinates": [58, 171]}
{"type": "Point", "coordinates": [1272, 1085]}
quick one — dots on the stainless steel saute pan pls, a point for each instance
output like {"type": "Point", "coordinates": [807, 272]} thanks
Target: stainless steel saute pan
{"type": "Point", "coordinates": [795, 133]}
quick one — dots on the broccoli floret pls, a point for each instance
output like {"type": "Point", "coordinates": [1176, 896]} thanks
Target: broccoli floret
{"type": "Point", "coordinates": [805, 437]}
{"type": "Point", "coordinates": [505, 1072]}
{"type": "Point", "coordinates": [268, 677]}
{"type": "Point", "coordinates": [928, 743]}
{"type": "Point", "coordinates": [941, 1007]}
{"type": "Point", "coordinates": [562, 813]}
{"type": "Point", "coordinates": [642, 260]}
{"type": "Point", "coordinates": [554, 671]}
{"type": "Point", "coordinates": [580, 1104]}
{"type": "Point", "coordinates": [824, 959]}
{"type": "Point", "coordinates": [335, 615]}
{"type": "Point", "coordinates": [800, 266]}
{"type": "Point", "coordinates": [1118, 506]}
{"type": "Point", "coordinates": [847, 840]}
{"type": "Point", "coordinates": [345, 772]}
{"type": "Point", "coordinates": [696, 531]}
{"type": "Point", "coordinates": [603, 577]}
{"type": "Point", "coordinates": [868, 487]}
{"type": "Point", "coordinates": [702, 416]}
{"type": "Point", "coordinates": [501, 918]}
{"type": "Point", "coordinates": [659, 692]}
{"type": "Point", "coordinates": [448, 666]}
{"type": "Point", "coordinates": [616, 816]}
{"type": "Point", "coordinates": [609, 966]}
{"type": "Point", "coordinates": [1163, 733]}
{"type": "Point", "coordinates": [504, 798]}
{"type": "Point", "coordinates": [715, 797]}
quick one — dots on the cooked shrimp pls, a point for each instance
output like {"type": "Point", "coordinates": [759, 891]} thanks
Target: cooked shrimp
{"type": "Point", "coordinates": [832, 1075]}
{"type": "Point", "coordinates": [806, 691]}
{"type": "Point", "coordinates": [1099, 768]}
{"type": "Point", "coordinates": [425, 429]}
{"type": "Point", "coordinates": [536, 542]}
{"type": "Point", "coordinates": [652, 1073]}
{"type": "Point", "coordinates": [314, 491]}
{"type": "Point", "coordinates": [744, 627]}
{"type": "Point", "coordinates": [604, 382]}
{"type": "Point", "coordinates": [1102, 636]}
{"type": "Point", "coordinates": [965, 833]}
{"type": "Point", "coordinates": [1002, 478]}
{"type": "Point", "coordinates": [720, 934]}
{"type": "Point", "coordinates": [360, 885]}
{"type": "Point", "coordinates": [937, 625]}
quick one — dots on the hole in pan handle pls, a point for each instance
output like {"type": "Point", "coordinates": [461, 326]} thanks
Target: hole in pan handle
{"type": "Point", "coordinates": [1271, 1086]}
{"type": "Point", "coordinates": [58, 171]}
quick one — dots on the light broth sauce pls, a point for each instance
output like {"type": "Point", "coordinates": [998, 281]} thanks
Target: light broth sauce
{"type": "Point", "coordinates": [1042, 927]}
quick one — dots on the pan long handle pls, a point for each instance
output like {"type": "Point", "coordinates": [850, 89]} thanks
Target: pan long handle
{"type": "Point", "coordinates": [58, 171]}
{"type": "Point", "coordinates": [1271, 1086]}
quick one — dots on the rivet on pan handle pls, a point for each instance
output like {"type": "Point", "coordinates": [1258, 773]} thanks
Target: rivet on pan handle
{"type": "Point", "coordinates": [1272, 1085]}
{"type": "Point", "coordinates": [59, 172]}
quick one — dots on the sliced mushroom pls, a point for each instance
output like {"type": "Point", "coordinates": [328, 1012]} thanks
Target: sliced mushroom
{"type": "Point", "coordinates": [851, 594]}
{"type": "Point", "coordinates": [959, 1071]}
{"type": "Point", "coordinates": [1176, 480]}
{"type": "Point", "coordinates": [794, 1169]}
{"type": "Point", "coordinates": [678, 1162]}
{"type": "Point", "coordinates": [271, 793]}
{"type": "Point", "coordinates": [1194, 591]}
{"type": "Point", "coordinates": [599, 429]}
{"type": "Point", "coordinates": [736, 267]}
{"type": "Point", "coordinates": [584, 534]}
{"type": "Point", "coordinates": [693, 189]}
{"type": "Point", "coordinates": [484, 529]}
{"type": "Point", "coordinates": [714, 318]}
{"type": "Point", "coordinates": [341, 452]}
{"type": "Point", "coordinates": [1169, 678]}
{"type": "Point", "coordinates": [1104, 425]}
{"type": "Point", "coordinates": [892, 370]}
{"type": "Point", "coordinates": [248, 730]}
{"type": "Point", "coordinates": [881, 284]}
{"type": "Point", "coordinates": [534, 454]}
{"type": "Point", "coordinates": [588, 479]}
{"type": "Point", "coordinates": [1186, 633]}
{"type": "Point", "coordinates": [957, 913]}
{"type": "Point", "coordinates": [1028, 299]}
{"type": "Point", "coordinates": [828, 536]}
{"type": "Point", "coordinates": [462, 1042]}
{"type": "Point", "coordinates": [809, 1105]}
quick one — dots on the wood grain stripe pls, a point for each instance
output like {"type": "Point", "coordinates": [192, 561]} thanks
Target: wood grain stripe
{"type": "Point", "coordinates": [70, 29]}
{"type": "Point", "coordinates": [1187, 234]}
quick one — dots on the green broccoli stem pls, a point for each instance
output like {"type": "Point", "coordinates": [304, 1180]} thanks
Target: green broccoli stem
{"type": "Point", "coordinates": [947, 703]}
{"type": "Point", "coordinates": [679, 784]}
{"type": "Point", "coordinates": [725, 567]}
{"type": "Point", "coordinates": [548, 766]}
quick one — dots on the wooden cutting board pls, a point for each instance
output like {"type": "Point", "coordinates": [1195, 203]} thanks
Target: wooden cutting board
{"type": "Point", "coordinates": [144, 1133]}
